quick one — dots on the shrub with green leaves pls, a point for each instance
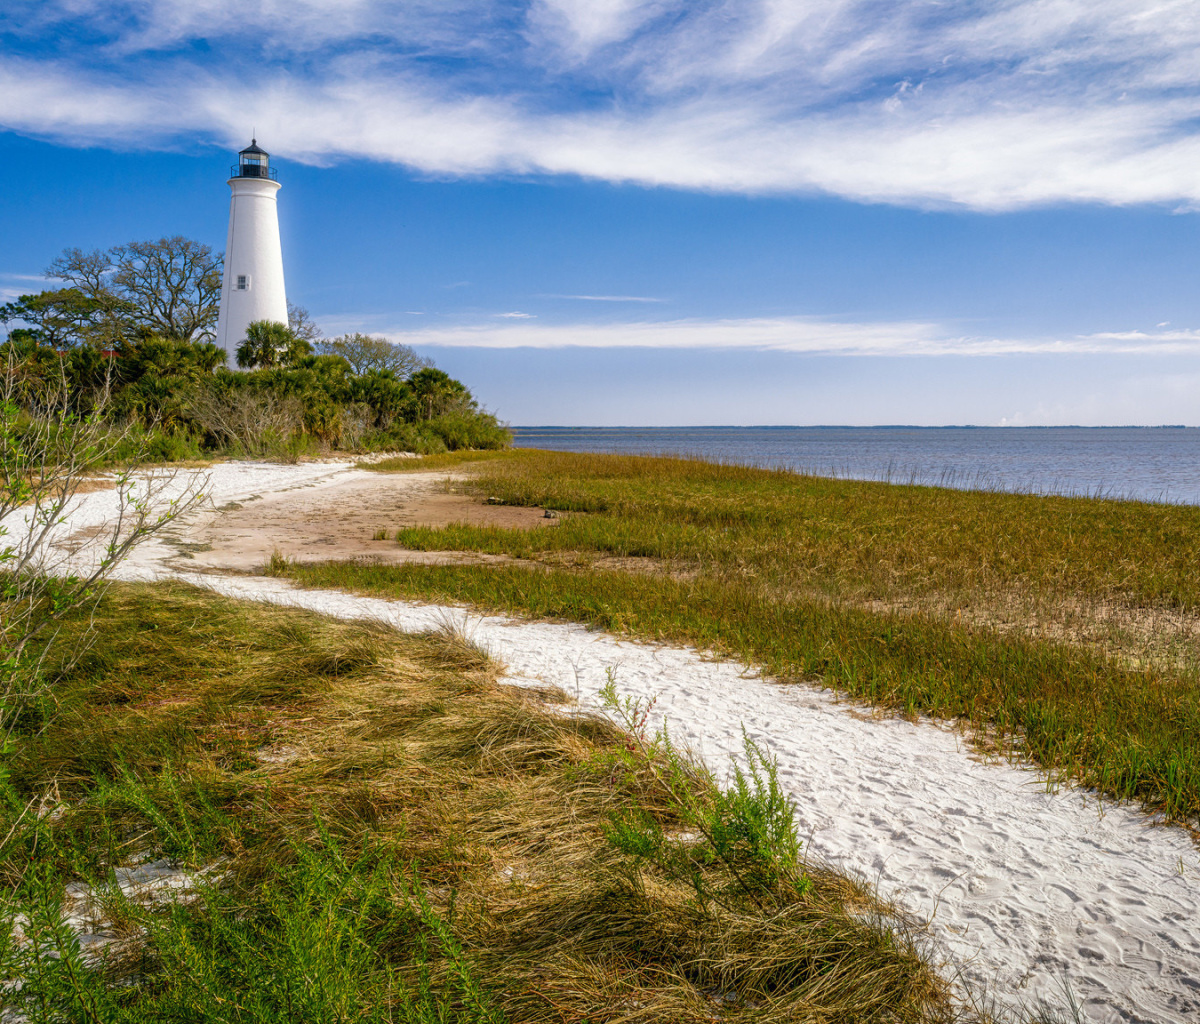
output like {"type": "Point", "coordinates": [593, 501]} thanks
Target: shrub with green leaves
{"type": "Point", "coordinates": [747, 828]}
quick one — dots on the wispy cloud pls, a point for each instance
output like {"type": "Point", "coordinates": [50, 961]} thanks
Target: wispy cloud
{"type": "Point", "coordinates": [13, 286]}
{"type": "Point", "coordinates": [992, 106]}
{"type": "Point", "coordinates": [608, 298]}
{"type": "Point", "coordinates": [795, 334]}
{"type": "Point", "coordinates": [516, 315]}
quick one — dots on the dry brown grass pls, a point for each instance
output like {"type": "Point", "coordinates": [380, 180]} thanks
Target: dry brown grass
{"type": "Point", "coordinates": [259, 733]}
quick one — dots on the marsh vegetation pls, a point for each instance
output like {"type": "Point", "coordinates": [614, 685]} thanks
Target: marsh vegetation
{"type": "Point", "coordinates": [365, 826]}
{"type": "Point", "coordinates": [1059, 629]}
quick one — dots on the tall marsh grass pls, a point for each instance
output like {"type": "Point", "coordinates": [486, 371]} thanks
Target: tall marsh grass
{"type": "Point", "coordinates": [854, 584]}
{"type": "Point", "coordinates": [857, 539]}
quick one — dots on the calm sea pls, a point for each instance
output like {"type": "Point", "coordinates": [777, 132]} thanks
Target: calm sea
{"type": "Point", "coordinates": [1147, 463]}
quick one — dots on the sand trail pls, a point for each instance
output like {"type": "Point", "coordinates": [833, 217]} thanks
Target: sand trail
{"type": "Point", "coordinates": [1028, 891]}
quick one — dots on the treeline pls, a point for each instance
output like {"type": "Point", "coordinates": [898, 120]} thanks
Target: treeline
{"type": "Point", "coordinates": [128, 337]}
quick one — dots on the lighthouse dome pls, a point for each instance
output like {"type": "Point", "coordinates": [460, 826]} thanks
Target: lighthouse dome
{"type": "Point", "coordinates": [253, 162]}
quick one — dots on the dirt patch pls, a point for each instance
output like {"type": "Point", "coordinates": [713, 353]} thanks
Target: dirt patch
{"type": "Point", "coordinates": [642, 564]}
{"type": "Point", "coordinates": [440, 509]}
{"type": "Point", "coordinates": [98, 483]}
{"type": "Point", "coordinates": [85, 485]}
{"type": "Point", "coordinates": [354, 517]}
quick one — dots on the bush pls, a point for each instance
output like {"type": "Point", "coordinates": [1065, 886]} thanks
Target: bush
{"type": "Point", "coordinates": [405, 437]}
{"type": "Point", "coordinates": [157, 444]}
{"type": "Point", "coordinates": [470, 430]}
{"type": "Point", "coordinates": [248, 421]}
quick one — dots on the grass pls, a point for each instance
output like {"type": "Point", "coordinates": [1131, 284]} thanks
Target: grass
{"type": "Point", "coordinates": [863, 586]}
{"type": "Point", "coordinates": [380, 832]}
{"type": "Point", "coordinates": [851, 540]}
{"type": "Point", "coordinates": [440, 460]}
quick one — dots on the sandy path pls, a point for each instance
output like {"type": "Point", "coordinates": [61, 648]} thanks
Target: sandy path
{"type": "Point", "coordinates": [1028, 891]}
{"type": "Point", "coordinates": [339, 519]}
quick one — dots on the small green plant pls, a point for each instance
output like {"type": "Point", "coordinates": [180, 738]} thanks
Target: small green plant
{"type": "Point", "coordinates": [379, 535]}
{"type": "Point", "coordinates": [308, 951]}
{"type": "Point", "coordinates": [277, 564]}
{"type": "Point", "coordinates": [749, 828]}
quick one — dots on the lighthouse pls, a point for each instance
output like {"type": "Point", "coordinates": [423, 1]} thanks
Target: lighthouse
{"type": "Point", "coordinates": [252, 288]}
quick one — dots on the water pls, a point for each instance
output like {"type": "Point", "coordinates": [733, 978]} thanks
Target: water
{"type": "Point", "coordinates": [1148, 464]}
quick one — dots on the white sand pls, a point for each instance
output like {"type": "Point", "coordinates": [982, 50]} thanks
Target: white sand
{"type": "Point", "coordinates": [1027, 890]}
{"type": "Point", "coordinates": [148, 882]}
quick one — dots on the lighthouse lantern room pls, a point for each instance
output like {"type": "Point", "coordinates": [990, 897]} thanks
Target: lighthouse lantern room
{"type": "Point", "coordinates": [252, 287]}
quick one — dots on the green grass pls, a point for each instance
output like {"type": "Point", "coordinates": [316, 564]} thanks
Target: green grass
{"type": "Point", "coordinates": [847, 583]}
{"type": "Point", "coordinates": [439, 460]}
{"type": "Point", "coordinates": [852, 539]}
{"type": "Point", "coordinates": [386, 834]}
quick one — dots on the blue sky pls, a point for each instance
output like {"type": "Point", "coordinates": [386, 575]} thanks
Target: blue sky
{"type": "Point", "coordinates": [652, 212]}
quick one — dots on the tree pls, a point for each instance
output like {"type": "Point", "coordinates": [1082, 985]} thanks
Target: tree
{"type": "Point", "coordinates": [171, 287]}
{"type": "Point", "coordinates": [157, 375]}
{"type": "Point", "coordinates": [269, 343]}
{"type": "Point", "coordinates": [389, 398]}
{"type": "Point", "coordinates": [437, 393]}
{"type": "Point", "coordinates": [62, 318]}
{"type": "Point", "coordinates": [301, 323]}
{"type": "Point", "coordinates": [365, 352]}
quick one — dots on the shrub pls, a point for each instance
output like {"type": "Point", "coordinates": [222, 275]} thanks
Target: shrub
{"type": "Point", "coordinates": [251, 421]}
{"type": "Point", "coordinates": [470, 430]}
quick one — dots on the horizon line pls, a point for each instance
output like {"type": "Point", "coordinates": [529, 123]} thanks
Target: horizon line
{"type": "Point", "coordinates": [859, 426]}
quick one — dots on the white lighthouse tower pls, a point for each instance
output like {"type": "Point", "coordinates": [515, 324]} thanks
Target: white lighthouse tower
{"type": "Point", "coordinates": [252, 288]}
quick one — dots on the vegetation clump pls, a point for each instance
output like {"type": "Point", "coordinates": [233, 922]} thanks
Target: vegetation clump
{"type": "Point", "coordinates": [363, 825]}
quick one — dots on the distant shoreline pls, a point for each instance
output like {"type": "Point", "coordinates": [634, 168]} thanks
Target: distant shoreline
{"type": "Point", "coordinates": [874, 426]}
{"type": "Point", "coordinates": [1158, 464]}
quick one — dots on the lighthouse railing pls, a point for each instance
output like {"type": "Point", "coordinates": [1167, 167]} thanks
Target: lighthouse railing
{"type": "Point", "coordinates": [253, 171]}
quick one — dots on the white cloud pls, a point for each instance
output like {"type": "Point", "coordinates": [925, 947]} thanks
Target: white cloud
{"type": "Point", "coordinates": [516, 316]}
{"type": "Point", "coordinates": [13, 286]}
{"type": "Point", "coordinates": [580, 27]}
{"type": "Point", "coordinates": [608, 298]}
{"type": "Point", "coordinates": [792, 334]}
{"type": "Point", "coordinates": [994, 107]}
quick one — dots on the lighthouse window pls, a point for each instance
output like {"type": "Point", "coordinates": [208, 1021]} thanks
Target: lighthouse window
{"type": "Point", "coordinates": [243, 282]}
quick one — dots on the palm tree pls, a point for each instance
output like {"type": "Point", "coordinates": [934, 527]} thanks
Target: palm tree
{"type": "Point", "coordinates": [269, 343]}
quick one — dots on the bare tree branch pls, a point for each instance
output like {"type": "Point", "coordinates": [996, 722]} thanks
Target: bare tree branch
{"type": "Point", "coordinates": [171, 287]}
{"type": "Point", "coordinates": [46, 453]}
{"type": "Point", "coordinates": [301, 324]}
